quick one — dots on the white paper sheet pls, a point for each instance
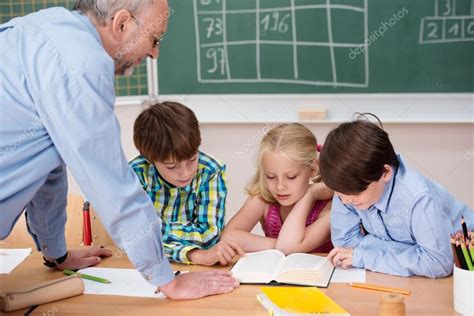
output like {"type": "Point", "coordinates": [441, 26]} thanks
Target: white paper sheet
{"type": "Point", "coordinates": [348, 275]}
{"type": "Point", "coordinates": [125, 282]}
{"type": "Point", "coordinates": [11, 258]}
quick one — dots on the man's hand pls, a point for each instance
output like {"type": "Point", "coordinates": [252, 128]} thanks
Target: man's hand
{"type": "Point", "coordinates": [85, 257]}
{"type": "Point", "coordinates": [193, 285]}
{"type": "Point", "coordinates": [223, 252]}
{"type": "Point", "coordinates": [341, 257]}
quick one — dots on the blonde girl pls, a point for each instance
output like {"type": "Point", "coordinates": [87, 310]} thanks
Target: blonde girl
{"type": "Point", "coordinates": [285, 196]}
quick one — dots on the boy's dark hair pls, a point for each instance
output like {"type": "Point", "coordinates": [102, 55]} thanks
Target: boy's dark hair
{"type": "Point", "coordinates": [167, 130]}
{"type": "Point", "coordinates": [354, 155]}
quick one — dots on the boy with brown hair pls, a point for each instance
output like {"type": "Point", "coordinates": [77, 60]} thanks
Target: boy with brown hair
{"type": "Point", "coordinates": [187, 187]}
{"type": "Point", "coordinates": [406, 217]}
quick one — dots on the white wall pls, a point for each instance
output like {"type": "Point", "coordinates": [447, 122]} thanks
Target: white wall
{"type": "Point", "coordinates": [440, 151]}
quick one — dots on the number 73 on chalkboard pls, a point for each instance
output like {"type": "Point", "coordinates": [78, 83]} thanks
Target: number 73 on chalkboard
{"type": "Point", "coordinates": [270, 22]}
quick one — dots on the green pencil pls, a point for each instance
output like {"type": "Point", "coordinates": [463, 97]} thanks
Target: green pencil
{"type": "Point", "coordinates": [466, 256]}
{"type": "Point", "coordinates": [471, 250]}
{"type": "Point", "coordinates": [87, 276]}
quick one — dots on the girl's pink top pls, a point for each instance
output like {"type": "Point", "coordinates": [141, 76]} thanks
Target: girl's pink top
{"type": "Point", "coordinates": [272, 222]}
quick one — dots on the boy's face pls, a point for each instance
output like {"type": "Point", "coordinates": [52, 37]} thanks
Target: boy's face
{"type": "Point", "coordinates": [285, 179]}
{"type": "Point", "coordinates": [178, 173]}
{"type": "Point", "coordinates": [369, 196]}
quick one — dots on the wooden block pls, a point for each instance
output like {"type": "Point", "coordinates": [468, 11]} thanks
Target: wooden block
{"type": "Point", "coordinates": [311, 114]}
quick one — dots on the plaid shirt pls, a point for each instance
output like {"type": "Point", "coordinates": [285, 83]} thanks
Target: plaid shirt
{"type": "Point", "coordinates": [192, 216]}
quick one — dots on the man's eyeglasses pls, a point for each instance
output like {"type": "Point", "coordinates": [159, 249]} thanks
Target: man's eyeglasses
{"type": "Point", "coordinates": [155, 40]}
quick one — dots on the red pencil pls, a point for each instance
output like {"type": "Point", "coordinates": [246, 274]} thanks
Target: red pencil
{"type": "Point", "coordinates": [86, 232]}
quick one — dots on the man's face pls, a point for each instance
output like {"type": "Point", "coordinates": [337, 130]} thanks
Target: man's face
{"type": "Point", "coordinates": [147, 29]}
{"type": "Point", "coordinates": [178, 173]}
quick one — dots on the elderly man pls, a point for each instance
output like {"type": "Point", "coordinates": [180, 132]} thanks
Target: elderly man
{"type": "Point", "coordinates": [56, 111]}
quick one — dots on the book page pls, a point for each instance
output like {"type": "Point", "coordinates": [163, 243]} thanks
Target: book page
{"type": "Point", "coordinates": [305, 269]}
{"type": "Point", "coordinates": [258, 267]}
{"type": "Point", "coordinates": [303, 261]}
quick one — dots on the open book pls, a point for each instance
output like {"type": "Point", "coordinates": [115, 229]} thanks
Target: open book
{"type": "Point", "coordinates": [272, 266]}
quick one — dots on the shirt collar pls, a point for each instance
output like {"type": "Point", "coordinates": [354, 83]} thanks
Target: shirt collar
{"type": "Point", "coordinates": [382, 204]}
{"type": "Point", "coordinates": [156, 181]}
{"type": "Point", "coordinates": [90, 26]}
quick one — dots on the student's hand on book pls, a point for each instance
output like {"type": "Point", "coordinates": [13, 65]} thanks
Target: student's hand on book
{"type": "Point", "coordinates": [223, 253]}
{"type": "Point", "coordinates": [341, 257]}
{"type": "Point", "coordinates": [194, 285]}
{"type": "Point", "coordinates": [225, 250]}
{"type": "Point", "coordinates": [84, 257]}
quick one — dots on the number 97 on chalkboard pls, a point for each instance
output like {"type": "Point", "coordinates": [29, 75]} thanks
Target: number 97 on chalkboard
{"type": "Point", "coordinates": [230, 34]}
{"type": "Point", "coordinates": [210, 19]}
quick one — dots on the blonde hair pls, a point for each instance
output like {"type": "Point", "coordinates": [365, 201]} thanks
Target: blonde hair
{"type": "Point", "coordinates": [294, 141]}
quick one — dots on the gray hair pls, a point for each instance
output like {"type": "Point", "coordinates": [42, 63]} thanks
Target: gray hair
{"type": "Point", "coordinates": [103, 10]}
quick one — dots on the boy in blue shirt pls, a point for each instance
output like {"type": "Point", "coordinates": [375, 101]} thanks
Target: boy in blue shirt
{"type": "Point", "coordinates": [386, 217]}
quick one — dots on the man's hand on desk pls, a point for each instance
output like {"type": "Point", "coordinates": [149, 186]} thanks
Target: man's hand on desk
{"type": "Point", "coordinates": [85, 257]}
{"type": "Point", "coordinates": [194, 285]}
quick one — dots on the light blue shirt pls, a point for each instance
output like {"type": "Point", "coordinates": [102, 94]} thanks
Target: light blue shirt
{"type": "Point", "coordinates": [408, 229]}
{"type": "Point", "coordinates": [57, 107]}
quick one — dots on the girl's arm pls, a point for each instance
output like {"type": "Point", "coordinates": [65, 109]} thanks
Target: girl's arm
{"type": "Point", "coordinates": [321, 191]}
{"type": "Point", "coordinates": [239, 227]}
{"type": "Point", "coordinates": [294, 235]}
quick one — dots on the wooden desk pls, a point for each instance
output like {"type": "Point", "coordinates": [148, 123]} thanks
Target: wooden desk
{"type": "Point", "coordinates": [428, 296]}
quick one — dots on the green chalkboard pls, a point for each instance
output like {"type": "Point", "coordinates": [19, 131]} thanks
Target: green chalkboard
{"type": "Point", "coordinates": [133, 85]}
{"type": "Point", "coordinates": [318, 46]}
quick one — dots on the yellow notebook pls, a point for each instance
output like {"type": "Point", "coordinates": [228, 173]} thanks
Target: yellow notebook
{"type": "Point", "coordinates": [283, 300]}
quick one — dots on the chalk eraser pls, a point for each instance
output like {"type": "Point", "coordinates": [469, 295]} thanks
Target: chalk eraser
{"type": "Point", "coordinates": [311, 114]}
